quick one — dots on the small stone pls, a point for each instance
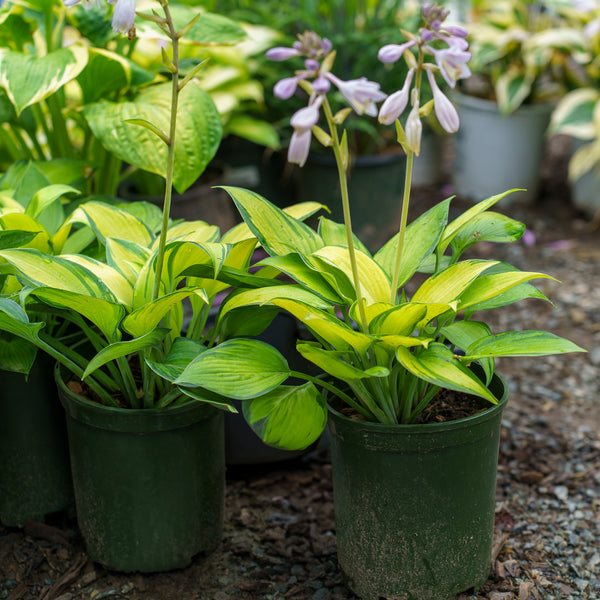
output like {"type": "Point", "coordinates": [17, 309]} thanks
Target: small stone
{"type": "Point", "coordinates": [561, 492]}
{"type": "Point", "coordinates": [321, 594]}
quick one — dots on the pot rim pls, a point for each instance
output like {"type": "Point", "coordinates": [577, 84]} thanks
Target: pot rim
{"type": "Point", "coordinates": [431, 428]}
{"type": "Point", "coordinates": [132, 420]}
{"type": "Point", "coordinates": [487, 105]}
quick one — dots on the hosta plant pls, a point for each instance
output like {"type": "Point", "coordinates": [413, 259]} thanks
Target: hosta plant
{"type": "Point", "coordinates": [389, 331]}
{"type": "Point", "coordinates": [525, 51]}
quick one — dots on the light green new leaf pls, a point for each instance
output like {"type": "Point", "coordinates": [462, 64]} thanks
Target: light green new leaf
{"type": "Point", "coordinates": [398, 320]}
{"type": "Point", "coordinates": [421, 237]}
{"type": "Point", "coordinates": [334, 234]}
{"type": "Point", "coordinates": [126, 257]}
{"type": "Point", "coordinates": [15, 238]}
{"type": "Point", "coordinates": [197, 138]}
{"type": "Point", "coordinates": [181, 354]}
{"type": "Point", "coordinates": [21, 222]}
{"type": "Point", "coordinates": [28, 79]}
{"type": "Point", "coordinates": [438, 365]}
{"type": "Point", "coordinates": [375, 285]}
{"type": "Point", "coordinates": [119, 349]}
{"type": "Point", "coordinates": [488, 286]}
{"type": "Point", "coordinates": [290, 417]}
{"type": "Point", "coordinates": [449, 284]}
{"type": "Point", "coordinates": [104, 314]}
{"type": "Point", "coordinates": [520, 343]}
{"type": "Point", "coordinates": [239, 368]}
{"type": "Point", "coordinates": [510, 296]}
{"type": "Point", "coordinates": [332, 363]}
{"type": "Point", "coordinates": [145, 319]}
{"type": "Point", "coordinates": [107, 221]}
{"type": "Point", "coordinates": [277, 231]}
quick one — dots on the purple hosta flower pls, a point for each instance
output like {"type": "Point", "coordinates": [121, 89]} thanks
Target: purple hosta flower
{"type": "Point", "coordinates": [445, 111]}
{"type": "Point", "coordinates": [86, 3]}
{"type": "Point", "coordinates": [285, 88]}
{"type": "Point", "coordinates": [123, 15]}
{"type": "Point", "coordinates": [303, 121]}
{"type": "Point", "coordinates": [395, 103]}
{"type": "Point", "coordinates": [452, 61]}
{"type": "Point", "coordinates": [281, 53]}
{"type": "Point", "coordinates": [390, 53]}
{"type": "Point", "coordinates": [362, 94]}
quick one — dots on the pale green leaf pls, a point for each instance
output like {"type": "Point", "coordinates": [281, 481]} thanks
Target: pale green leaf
{"type": "Point", "coordinates": [290, 417]}
{"type": "Point", "coordinates": [119, 349]}
{"type": "Point", "coordinates": [239, 368]}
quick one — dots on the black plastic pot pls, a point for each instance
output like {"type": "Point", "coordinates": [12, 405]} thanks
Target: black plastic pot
{"type": "Point", "coordinates": [35, 475]}
{"type": "Point", "coordinates": [149, 484]}
{"type": "Point", "coordinates": [414, 504]}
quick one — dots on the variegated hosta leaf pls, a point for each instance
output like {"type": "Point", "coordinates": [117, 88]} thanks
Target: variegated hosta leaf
{"type": "Point", "coordinates": [141, 321]}
{"type": "Point", "coordinates": [421, 237]}
{"type": "Point", "coordinates": [119, 349]}
{"type": "Point", "coordinates": [13, 319]}
{"type": "Point", "coordinates": [197, 138]}
{"type": "Point", "coordinates": [46, 196]}
{"type": "Point", "coordinates": [449, 284]}
{"type": "Point", "coordinates": [28, 79]}
{"type": "Point", "coordinates": [374, 283]}
{"type": "Point", "coordinates": [181, 354]}
{"type": "Point", "coordinates": [289, 417]}
{"type": "Point", "coordinates": [512, 88]}
{"type": "Point", "coordinates": [398, 320]}
{"type": "Point", "coordinates": [109, 221]}
{"type": "Point", "coordinates": [37, 269]}
{"type": "Point", "coordinates": [438, 365]}
{"type": "Point", "coordinates": [22, 222]}
{"type": "Point", "coordinates": [520, 343]}
{"type": "Point", "coordinates": [466, 217]}
{"type": "Point", "coordinates": [574, 114]}
{"type": "Point", "coordinates": [126, 257]}
{"type": "Point", "coordinates": [239, 368]}
{"type": "Point", "coordinates": [277, 231]}
{"type": "Point", "coordinates": [584, 160]}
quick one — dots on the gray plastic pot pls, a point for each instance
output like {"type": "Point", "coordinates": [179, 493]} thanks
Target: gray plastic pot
{"type": "Point", "coordinates": [495, 152]}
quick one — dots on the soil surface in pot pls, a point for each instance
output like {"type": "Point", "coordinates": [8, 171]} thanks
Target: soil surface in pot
{"type": "Point", "coordinates": [279, 541]}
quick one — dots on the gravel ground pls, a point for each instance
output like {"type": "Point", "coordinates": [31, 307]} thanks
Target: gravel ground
{"type": "Point", "coordinates": [279, 538]}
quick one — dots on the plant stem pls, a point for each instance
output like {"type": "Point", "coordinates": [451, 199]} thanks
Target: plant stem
{"type": "Point", "coordinates": [170, 149]}
{"type": "Point", "coordinates": [403, 221]}
{"type": "Point", "coordinates": [347, 219]}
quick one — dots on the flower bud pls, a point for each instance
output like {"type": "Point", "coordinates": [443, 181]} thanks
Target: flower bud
{"type": "Point", "coordinates": [285, 88]}
{"type": "Point", "coordinates": [445, 111]}
{"type": "Point", "coordinates": [414, 130]}
{"type": "Point", "coordinates": [392, 52]}
{"type": "Point", "coordinates": [395, 104]}
{"type": "Point", "coordinates": [280, 53]}
{"type": "Point", "coordinates": [299, 147]}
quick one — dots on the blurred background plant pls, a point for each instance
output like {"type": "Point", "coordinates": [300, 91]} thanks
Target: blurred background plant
{"type": "Point", "coordinates": [525, 51]}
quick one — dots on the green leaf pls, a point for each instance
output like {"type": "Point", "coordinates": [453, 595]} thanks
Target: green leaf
{"type": "Point", "coordinates": [398, 320]}
{"type": "Point", "coordinates": [487, 227]}
{"type": "Point", "coordinates": [238, 368]}
{"type": "Point", "coordinates": [512, 88]}
{"type": "Point", "coordinates": [331, 362]}
{"type": "Point", "coordinates": [46, 196]}
{"type": "Point", "coordinates": [14, 320]}
{"type": "Point", "coordinates": [15, 238]}
{"type": "Point", "coordinates": [197, 137]}
{"type": "Point", "coordinates": [520, 343]}
{"type": "Point", "coordinates": [255, 130]}
{"type": "Point", "coordinates": [181, 354]}
{"type": "Point", "coordinates": [119, 349]}
{"type": "Point", "coordinates": [450, 283]}
{"type": "Point", "coordinates": [290, 417]}
{"type": "Point", "coordinates": [574, 114]}
{"type": "Point", "coordinates": [334, 234]}
{"type": "Point", "coordinates": [375, 285]}
{"type": "Point", "coordinates": [466, 217]}
{"type": "Point", "coordinates": [110, 221]}
{"type": "Point", "coordinates": [29, 79]}
{"type": "Point", "coordinates": [421, 237]}
{"type": "Point", "coordinates": [143, 320]}
{"type": "Point", "coordinates": [16, 354]}
{"type": "Point", "coordinates": [277, 231]}
{"type": "Point", "coordinates": [209, 29]}
{"type": "Point", "coordinates": [438, 365]}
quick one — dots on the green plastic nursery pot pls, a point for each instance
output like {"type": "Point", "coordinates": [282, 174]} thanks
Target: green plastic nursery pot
{"type": "Point", "coordinates": [35, 475]}
{"type": "Point", "coordinates": [149, 484]}
{"type": "Point", "coordinates": [414, 504]}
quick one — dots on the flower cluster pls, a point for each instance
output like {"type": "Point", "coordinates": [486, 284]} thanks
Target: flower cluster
{"type": "Point", "coordinates": [450, 60]}
{"type": "Point", "coordinates": [362, 94]}
{"type": "Point", "coordinates": [123, 15]}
